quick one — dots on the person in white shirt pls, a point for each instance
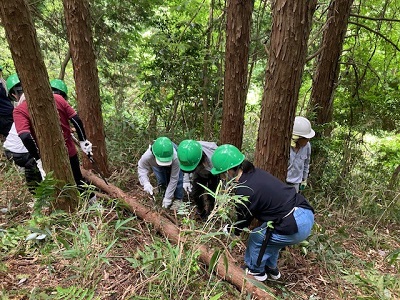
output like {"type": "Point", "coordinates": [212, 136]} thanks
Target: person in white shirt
{"type": "Point", "coordinates": [15, 150]}
{"type": "Point", "coordinates": [161, 158]}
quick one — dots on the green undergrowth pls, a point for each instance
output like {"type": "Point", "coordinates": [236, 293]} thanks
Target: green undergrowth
{"type": "Point", "coordinates": [104, 251]}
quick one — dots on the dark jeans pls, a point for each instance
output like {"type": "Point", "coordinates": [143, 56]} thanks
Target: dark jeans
{"type": "Point", "coordinates": [163, 175]}
{"type": "Point", "coordinates": [25, 160]}
{"type": "Point", "coordinates": [199, 193]}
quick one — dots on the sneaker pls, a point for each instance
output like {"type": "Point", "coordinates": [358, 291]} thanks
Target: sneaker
{"type": "Point", "coordinates": [273, 273]}
{"type": "Point", "coordinates": [257, 276]}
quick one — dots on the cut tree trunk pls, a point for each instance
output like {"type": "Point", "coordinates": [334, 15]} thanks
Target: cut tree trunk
{"type": "Point", "coordinates": [231, 273]}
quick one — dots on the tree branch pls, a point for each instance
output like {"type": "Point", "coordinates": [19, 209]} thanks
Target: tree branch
{"type": "Point", "coordinates": [377, 33]}
{"type": "Point", "coordinates": [374, 19]}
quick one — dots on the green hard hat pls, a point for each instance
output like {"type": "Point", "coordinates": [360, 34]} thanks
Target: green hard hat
{"type": "Point", "coordinates": [189, 155]}
{"type": "Point", "coordinates": [59, 85]}
{"type": "Point", "coordinates": [12, 81]}
{"type": "Point", "coordinates": [163, 150]}
{"type": "Point", "coordinates": [225, 158]}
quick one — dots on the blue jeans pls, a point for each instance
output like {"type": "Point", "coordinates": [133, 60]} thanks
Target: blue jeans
{"type": "Point", "coordinates": [304, 219]}
{"type": "Point", "coordinates": [163, 175]}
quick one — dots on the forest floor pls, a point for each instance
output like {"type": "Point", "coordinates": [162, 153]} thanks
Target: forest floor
{"type": "Point", "coordinates": [347, 256]}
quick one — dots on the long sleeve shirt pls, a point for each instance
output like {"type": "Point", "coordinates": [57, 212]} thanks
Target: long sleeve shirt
{"type": "Point", "coordinates": [268, 199]}
{"type": "Point", "coordinates": [299, 163]}
{"type": "Point", "coordinates": [145, 164]}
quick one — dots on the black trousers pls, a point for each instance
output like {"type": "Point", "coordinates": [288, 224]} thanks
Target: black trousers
{"type": "Point", "coordinates": [199, 194]}
{"type": "Point", "coordinates": [25, 160]}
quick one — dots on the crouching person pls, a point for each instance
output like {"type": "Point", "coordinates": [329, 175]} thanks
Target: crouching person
{"type": "Point", "coordinates": [161, 159]}
{"type": "Point", "coordinates": [286, 216]}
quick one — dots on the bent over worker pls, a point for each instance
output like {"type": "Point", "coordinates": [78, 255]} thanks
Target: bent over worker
{"type": "Point", "coordinates": [66, 114]}
{"type": "Point", "coordinates": [195, 161]}
{"type": "Point", "coordinates": [269, 200]}
{"type": "Point", "coordinates": [162, 159]}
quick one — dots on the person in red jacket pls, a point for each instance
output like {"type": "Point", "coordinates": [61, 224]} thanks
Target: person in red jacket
{"type": "Point", "coordinates": [66, 114]}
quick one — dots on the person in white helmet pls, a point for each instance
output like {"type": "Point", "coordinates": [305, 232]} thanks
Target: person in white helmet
{"type": "Point", "coordinates": [300, 153]}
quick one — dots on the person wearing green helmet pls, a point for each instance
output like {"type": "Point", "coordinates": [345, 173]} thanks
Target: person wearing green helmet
{"type": "Point", "coordinates": [195, 161]}
{"type": "Point", "coordinates": [269, 200]}
{"type": "Point", "coordinates": [67, 115]}
{"type": "Point", "coordinates": [58, 86]}
{"type": "Point", "coordinates": [6, 105]}
{"type": "Point", "coordinates": [161, 158]}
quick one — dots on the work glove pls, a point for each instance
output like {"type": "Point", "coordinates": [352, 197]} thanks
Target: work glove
{"type": "Point", "coordinates": [148, 188]}
{"type": "Point", "coordinates": [40, 167]}
{"type": "Point", "coordinates": [187, 186]}
{"type": "Point", "coordinates": [166, 202]}
{"type": "Point", "coordinates": [294, 140]}
{"type": "Point", "coordinates": [86, 147]}
{"type": "Point", "coordinates": [228, 230]}
{"type": "Point", "coordinates": [303, 185]}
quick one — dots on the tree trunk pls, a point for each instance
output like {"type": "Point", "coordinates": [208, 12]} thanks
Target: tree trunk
{"type": "Point", "coordinates": [238, 25]}
{"type": "Point", "coordinates": [22, 39]}
{"type": "Point", "coordinates": [327, 71]}
{"type": "Point", "coordinates": [289, 36]}
{"type": "Point", "coordinates": [207, 133]}
{"type": "Point", "coordinates": [229, 272]}
{"type": "Point", "coordinates": [80, 38]}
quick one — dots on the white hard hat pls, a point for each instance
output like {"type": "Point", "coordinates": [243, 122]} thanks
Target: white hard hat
{"type": "Point", "coordinates": [302, 127]}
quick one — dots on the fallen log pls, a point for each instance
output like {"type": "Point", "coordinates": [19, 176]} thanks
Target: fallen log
{"type": "Point", "coordinates": [231, 273]}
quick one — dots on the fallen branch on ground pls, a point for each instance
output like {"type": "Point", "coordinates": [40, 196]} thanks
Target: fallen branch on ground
{"type": "Point", "coordinates": [231, 273]}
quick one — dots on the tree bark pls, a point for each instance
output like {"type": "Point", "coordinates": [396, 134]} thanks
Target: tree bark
{"type": "Point", "coordinates": [289, 36]}
{"type": "Point", "coordinates": [230, 273]}
{"type": "Point", "coordinates": [25, 50]}
{"type": "Point", "coordinates": [327, 71]}
{"type": "Point", "coordinates": [238, 25]}
{"type": "Point", "coordinates": [80, 39]}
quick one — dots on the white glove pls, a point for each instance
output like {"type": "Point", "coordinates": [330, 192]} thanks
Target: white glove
{"type": "Point", "coordinates": [166, 202]}
{"type": "Point", "coordinates": [303, 185]}
{"type": "Point", "coordinates": [226, 229]}
{"type": "Point", "coordinates": [148, 188]}
{"type": "Point", "coordinates": [40, 167]}
{"type": "Point", "coordinates": [86, 147]}
{"type": "Point", "coordinates": [187, 186]}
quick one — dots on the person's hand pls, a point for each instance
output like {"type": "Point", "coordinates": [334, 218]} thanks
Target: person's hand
{"type": "Point", "coordinates": [166, 203]}
{"type": "Point", "coordinates": [187, 186]}
{"type": "Point", "coordinates": [303, 185]}
{"type": "Point", "coordinates": [40, 167]}
{"type": "Point", "coordinates": [86, 147]}
{"type": "Point", "coordinates": [148, 188]}
{"type": "Point", "coordinates": [228, 230]}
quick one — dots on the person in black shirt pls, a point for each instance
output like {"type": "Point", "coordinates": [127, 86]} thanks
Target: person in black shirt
{"type": "Point", "coordinates": [270, 201]}
{"type": "Point", "coordinates": [6, 105]}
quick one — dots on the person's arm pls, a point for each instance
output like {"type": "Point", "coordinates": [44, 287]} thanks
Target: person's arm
{"type": "Point", "coordinates": [173, 180]}
{"type": "Point", "coordinates": [86, 146]}
{"type": "Point", "coordinates": [143, 169]}
{"type": "Point", "coordinates": [307, 162]}
{"type": "Point", "coordinates": [243, 217]}
{"type": "Point", "coordinates": [80, 131]}
{"type": "Point", "coordinates": [23, 129]}
{"type": "Point", "coordinates": [30, 144]}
